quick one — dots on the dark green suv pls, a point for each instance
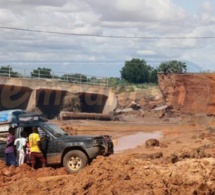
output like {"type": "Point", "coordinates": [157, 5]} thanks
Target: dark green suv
{"type": "Point", "coordinates": [73, 152]}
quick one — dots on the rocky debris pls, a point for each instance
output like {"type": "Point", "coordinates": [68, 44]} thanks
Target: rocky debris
{"type": "Point", "coordinates": [134, 105]}
{"type": "Point", "coordinates": [121, 114]}
{"type": "Point", "coordinates": [164, 107]}
{"type": "Point", "coordinates": [148, 156]}
{"type": "Point", "coordinates": [152, 143]}
{"type": "Point", "coordinates": [163, 145]}
{"type": "Point", "coordinates": [161, 113]}
{"type": "Point", "coordinates": [71, 103]}
{"type": "Point", "coordinates": [156, 155]}
{"type": "Point", "coordinates": [161, 110]}
{"type": "Point", "coordinates": [197, 153]}
{"type": "Point", "coordinates": [80, 115]}
{"type": "Point", "coordinates": [142, 101]}
{"type": "Point", "coordinates": [121, 111]}
{"type": "Point", "coordinates": [211, 130]}
{"type": "Point", "coordinates": [209, 136]}
{"type": "Point", "coordinates": [141, 111]}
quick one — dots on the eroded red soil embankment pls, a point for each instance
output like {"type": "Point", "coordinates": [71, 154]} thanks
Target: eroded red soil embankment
{"type": "Point", "coordinates": [189, 93]}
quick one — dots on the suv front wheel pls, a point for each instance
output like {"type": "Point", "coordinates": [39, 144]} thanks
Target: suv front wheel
{"type": "Point", "coordinates": [74, 161]}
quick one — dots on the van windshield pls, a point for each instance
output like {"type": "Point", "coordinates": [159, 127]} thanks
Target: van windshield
{"type": "Point", "coordinates": [55, 130]}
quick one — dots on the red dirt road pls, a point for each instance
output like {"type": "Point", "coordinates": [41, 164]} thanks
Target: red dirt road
{"type": "Point", "coordinates": [182, 164]}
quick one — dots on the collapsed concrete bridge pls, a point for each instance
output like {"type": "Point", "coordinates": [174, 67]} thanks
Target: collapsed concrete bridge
{"type": "Point", "coordinates": [48, 95]}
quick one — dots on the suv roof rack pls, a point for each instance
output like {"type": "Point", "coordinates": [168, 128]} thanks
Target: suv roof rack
{"type": "Point", "coordinates": [31, 117]}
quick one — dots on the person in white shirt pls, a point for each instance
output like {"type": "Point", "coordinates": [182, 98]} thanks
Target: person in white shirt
{"type": "Point", "coordinates": [20, 144]}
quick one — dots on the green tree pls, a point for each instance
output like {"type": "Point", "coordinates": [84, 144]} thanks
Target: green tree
{"type": "Point", "coordinates": [8, 71]}
{"type": "Point", "coordinates": [136, 71]}
{"type": "Point", "coordinates": [66, 77]}
{"type": "Point", "coordinates": [76, 78]}
{"type": "Point", "coordinates": [79, 77]}
{"type": "Point", "coordinates": [153, 76]}
{"type": "Point", "coordinates": [113, 81]}
{"type": "Point", "coordinates": [42, 73]}
{"type": "Point", "coordinates": [173, 66]}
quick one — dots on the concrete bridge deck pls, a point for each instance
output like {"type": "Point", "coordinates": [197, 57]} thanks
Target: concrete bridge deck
{"type": "Point", "coordinates": [48, 95]}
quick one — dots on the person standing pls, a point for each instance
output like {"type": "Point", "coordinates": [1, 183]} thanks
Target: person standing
{"type": "Point", "coordinates": [43, 140]}
{"type": "Point", "coordinates": [35, 142]}
{"type": "Point", "coordinates": [10, 149]}
{"type": "Point", "coordinates": [42, 134]}
{"type": "Point", "coordinates": [20, 144]}
{"type": "Point", "coordinates": [28, 153]}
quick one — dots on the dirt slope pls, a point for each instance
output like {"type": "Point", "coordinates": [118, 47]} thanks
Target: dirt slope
{"type": "Point", "coordinates": [123, 175]}
{"type": "Point", "coordinates": [189, 93]}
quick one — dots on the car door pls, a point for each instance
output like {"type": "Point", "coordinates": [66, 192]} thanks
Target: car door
{"type": "Point", "coordinates": [49, 147]}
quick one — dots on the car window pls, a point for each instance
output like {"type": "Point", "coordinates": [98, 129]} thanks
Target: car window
{"type": "Point", "coordinates": [54, 130]}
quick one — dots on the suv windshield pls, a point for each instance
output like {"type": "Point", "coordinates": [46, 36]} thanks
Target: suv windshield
{"type": "Point", "coordinates": [55, 130]}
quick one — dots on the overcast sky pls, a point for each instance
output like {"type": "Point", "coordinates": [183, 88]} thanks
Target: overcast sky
{"type": "Point", "coordinates": [101, 56]}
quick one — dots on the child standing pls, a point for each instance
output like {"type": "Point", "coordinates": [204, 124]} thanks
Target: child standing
{"type": "Point", "coordinates": [20, 144]}
{"type": "Point", "coordinates": [28, 153]}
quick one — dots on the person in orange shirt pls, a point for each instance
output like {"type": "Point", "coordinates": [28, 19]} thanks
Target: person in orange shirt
{"type": "Point", "coordinates": [35, 142]}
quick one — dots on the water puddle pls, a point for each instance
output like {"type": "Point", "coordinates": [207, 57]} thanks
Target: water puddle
{"type": "Point", "coordinates": [132, 141]}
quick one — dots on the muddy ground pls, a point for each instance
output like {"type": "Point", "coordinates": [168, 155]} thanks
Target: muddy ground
{"type": "Point", "coordinates": [183, 163]}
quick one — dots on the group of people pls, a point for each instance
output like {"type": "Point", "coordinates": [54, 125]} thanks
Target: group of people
{"type": "Point", "coordinates": [17, 150]}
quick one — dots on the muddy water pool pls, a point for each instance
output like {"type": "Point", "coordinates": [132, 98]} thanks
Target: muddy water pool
{"type": "Point", "coordinates": [132, 141]}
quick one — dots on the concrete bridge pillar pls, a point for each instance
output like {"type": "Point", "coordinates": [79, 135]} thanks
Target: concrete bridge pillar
{"type": "Point", "coordinates": [32, 103]}
{"type": "Point", "coordinates": [111, 103]}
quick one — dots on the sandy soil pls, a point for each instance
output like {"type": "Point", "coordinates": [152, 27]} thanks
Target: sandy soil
{"type": "Point", "coordinates": [183, 163]}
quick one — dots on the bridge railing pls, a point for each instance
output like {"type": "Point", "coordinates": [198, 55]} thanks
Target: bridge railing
{"type": "Point", "coordinates": [57, 76]}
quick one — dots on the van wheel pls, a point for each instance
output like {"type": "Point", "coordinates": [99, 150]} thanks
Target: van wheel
{"type": "Point", "coordinates": [74, 161]}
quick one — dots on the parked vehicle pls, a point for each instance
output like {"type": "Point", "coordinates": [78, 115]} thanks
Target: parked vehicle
{"type": "Point", "coordinates": [9, 118]}
{"type": "Point", "coordinates": [73, 152]}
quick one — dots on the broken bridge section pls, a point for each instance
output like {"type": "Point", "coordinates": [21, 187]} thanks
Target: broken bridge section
{"type": "Point", "coordinates": [92, 103]}
{"type": "Point", "coordinates": [48, 96]}
{"type": "Point", "coordinates": [50, 101]}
